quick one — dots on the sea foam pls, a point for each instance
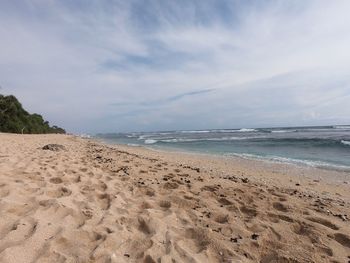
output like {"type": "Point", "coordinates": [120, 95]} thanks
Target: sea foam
{"type": "Point", "coordinates": [283, 131]}
{"type": "Point", "coordinates": [345, 142]}
{"type": "Point", "coordinates": [150, 141]}
{"type": "Point", "coordinates": [175, 140]}
{"type": "Point", "coordinates": [197, 131]}
{"type": "Point", "coordinates": [342, 127]}
{"type": "Point", "coordinates": [279, 159]}
{"type": "Point", "coordinates": [246, 130]}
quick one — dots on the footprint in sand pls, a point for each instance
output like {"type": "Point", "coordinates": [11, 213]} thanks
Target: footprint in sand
{"type": "Point", "coordinates": [221, 218]}
{"type": "Point", "coordinates": [101, 186]}
{"type": "Point", "coordinates": [86, 189]}
{"type": "Point", "coordinates": [16, 233]}
{"type": "Point", "coordinates": [251, 212]}
{"type": "Point", "coordinates": [87, 213]}
{"type": "Point", "coordinates": [51, 256]}
{"type": "Point", "coordinates": [145, 205]}
{"type": "Point", "coordinates": [134, 249]}
{"type": "Point", "coordinates": [149, 192]}
{"type": "Point", "coordinates": [280, 207]}
{"type": "Point", "coordinates": [144, 226]}
{"type": "Point", "coordinates": [307, 230]}
{"type": "Point", "coordinates": [60, 192]}
{"type": "Point", "coordinates": [224, 201]}
{"type": "Point", "coordinates": [148, 259]}
{"type": "Point", "coordinates": [105, 201]}
{"type": "Point", "coordinates": [276, 217]}
{"type": "Point", "coordinates": [4, 190]}
{"type": "Point", "coordinates": [342, 239]}
{"type": "Point", "coordinates": [171, 185]}
{"type": "Point", "coordinates": [165, 204]}
{"type": "Point", "coordinates": [210, 188]}
{"type": "Point", "coordinates": [56, 180]}
{"type": "Point", "coordinates": [323, 222]}
{"type": "Point", "coordinates": [200, 237]}
{"type": "Point", "coordinates": [47, 203]}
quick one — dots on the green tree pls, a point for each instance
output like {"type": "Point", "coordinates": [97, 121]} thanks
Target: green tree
{"type": "Point", "coordinates": [13, 118]}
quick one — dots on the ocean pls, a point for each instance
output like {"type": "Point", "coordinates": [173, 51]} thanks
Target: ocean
{"type": "Point", "coordinates": [324, 146]}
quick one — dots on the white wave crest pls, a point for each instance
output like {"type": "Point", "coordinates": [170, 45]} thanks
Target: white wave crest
{"type": "Point", "coordinates": [150, 141]}
{"type": "Point", "coordinates": [279, 159]}
{"type": "Point", "coordinates": [345, 142]}
{"type": "Point", "coordinates": [345, 127]}
{"type": "Point", "coordinates": [142, 137]}
{"type": "Point", "coordinates": [132, 144]}
{"type": "Point", "coordinates": [246, 130]}
{"type": "Point", "coordinates": [199, 131]}
{"type": "Point", "coordinates": [175, 140]}
{"type": "Point", "coordinates": [235, 138]}
{"type": "Point", "coordinates": [86, 136]}
{"type": "Point", "coordinates": [283, 131]}
{"type": "Point", "coordinates": [222, 130]}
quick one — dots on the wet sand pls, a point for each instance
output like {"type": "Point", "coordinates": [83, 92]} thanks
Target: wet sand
{"type": "Point", "coordinates": [89, 202]}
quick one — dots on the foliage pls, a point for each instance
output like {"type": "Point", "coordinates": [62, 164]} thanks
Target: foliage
{"type": "Point", "coordinates": [13, 118]}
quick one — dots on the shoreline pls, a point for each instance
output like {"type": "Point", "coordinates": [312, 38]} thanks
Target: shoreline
{"type": "Point", "coordinates": [88, 201]}
{"type": "Point", "coordinates": [321, 147]}
{"type": "Point", "coordinates": [338, 176]}
{"type": "Point", "coordinates": [323, 165]}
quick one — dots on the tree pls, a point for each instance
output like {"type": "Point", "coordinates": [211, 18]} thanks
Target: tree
{"type": "Point", "coordinates": [13, 118]}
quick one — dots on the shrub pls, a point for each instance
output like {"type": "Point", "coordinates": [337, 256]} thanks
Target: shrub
{"type": "Point", "coordinates": [13, 118]}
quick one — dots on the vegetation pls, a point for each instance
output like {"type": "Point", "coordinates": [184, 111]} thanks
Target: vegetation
{"type": "Point", "coordinates": [13, 118]}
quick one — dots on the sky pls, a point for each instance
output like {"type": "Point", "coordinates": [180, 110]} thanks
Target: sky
{"type": "Point", "coordinates": [147, 65]}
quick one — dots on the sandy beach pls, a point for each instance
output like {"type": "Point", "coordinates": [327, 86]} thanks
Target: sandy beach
{"type": "Point", "coordinates": [84, 201]}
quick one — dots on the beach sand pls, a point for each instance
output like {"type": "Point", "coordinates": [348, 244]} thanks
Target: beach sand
{"type": "Point", "coordinates": [91, 202]}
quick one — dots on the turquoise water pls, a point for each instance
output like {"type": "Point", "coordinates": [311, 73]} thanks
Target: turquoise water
{"type": "Point", "coordinates": [325, 147]}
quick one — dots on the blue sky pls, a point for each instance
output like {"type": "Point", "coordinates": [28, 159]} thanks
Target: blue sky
{"type": "Point", "coordinates": [105, 66]}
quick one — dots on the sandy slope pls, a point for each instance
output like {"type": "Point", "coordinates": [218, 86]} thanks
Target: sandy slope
{"type": "Point", "coordinates": [94, 203]}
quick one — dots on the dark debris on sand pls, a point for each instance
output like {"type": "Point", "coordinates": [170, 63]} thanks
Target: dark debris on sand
{"type": "Point", "coordinates": [54, 147]}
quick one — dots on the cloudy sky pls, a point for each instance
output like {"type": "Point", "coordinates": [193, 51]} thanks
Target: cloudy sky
{"type": "Point", "coordinates": [104, 66]}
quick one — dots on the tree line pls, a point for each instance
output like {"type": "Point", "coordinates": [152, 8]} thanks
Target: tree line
{"type": "Point", "coordinates": [14, 119]}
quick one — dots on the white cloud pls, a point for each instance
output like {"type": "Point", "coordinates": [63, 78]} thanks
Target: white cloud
{"type": "Point", "coordinates": [92, 67]}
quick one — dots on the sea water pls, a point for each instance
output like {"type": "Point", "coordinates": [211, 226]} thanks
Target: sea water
{"type": "Point", "coordinates": [325, 147]}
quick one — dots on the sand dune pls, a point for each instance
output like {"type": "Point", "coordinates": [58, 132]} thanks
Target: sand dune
{"type": "Point", "coordinates": [89, 202]}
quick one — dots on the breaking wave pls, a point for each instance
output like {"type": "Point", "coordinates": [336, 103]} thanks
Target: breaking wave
{"type": "Point", "coordinates": [150, 141]}
{"type": "Point", "coordinates": [278, 159]}
{"type": "Point", "coordinates": [323, 146]}
{"type": "Point", "coordinates": [283, 131]}
{"type": "Point", "coordinates": [345, 127]}
{"type": "Point", "coordinates": [345, 142]}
